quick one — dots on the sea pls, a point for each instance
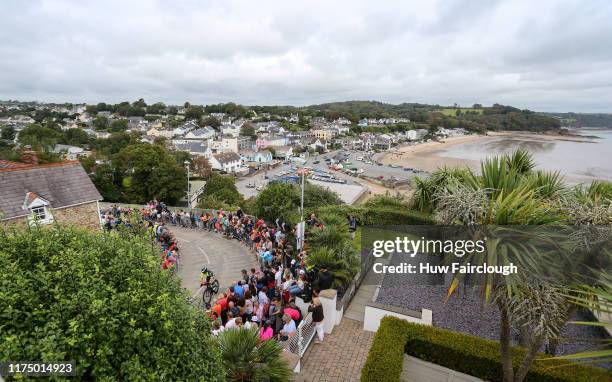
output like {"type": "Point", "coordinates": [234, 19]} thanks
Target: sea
{"type": "Point", "coordinates": [578, 160]}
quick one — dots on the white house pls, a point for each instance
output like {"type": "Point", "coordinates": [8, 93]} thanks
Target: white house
{"type": "Point", "coordinates": [261, 156]}
{"type": "Point", "coordinates": [229, 162]}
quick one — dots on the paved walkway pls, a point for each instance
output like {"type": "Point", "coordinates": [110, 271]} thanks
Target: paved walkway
{"type": "Point", "coordinates": [340, 357]}
{"type": "Point", "coordinates": [365, 294]}
{"type": "Point", "coordinates": [223, 256]}
{"type": "Point", "coordinates": [342, 354]}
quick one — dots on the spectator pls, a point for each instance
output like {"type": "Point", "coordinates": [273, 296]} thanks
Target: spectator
{"type": "Point", "coordinates": [289, 328]}
{"type": "Point", "coordinates": [266, 332]}
{"type": "Point", "coordinates": [317, 317]}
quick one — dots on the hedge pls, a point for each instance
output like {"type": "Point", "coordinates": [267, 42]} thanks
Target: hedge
{"type": "Point", "coordinates": [379, 215]}
{"type": "Point", "coordinates": [461, 352]}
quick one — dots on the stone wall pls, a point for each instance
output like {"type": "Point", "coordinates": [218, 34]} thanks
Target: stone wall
{"type": "Point", "coordinates": [83, 216]}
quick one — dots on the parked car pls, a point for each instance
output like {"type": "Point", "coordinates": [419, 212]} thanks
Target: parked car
{"type": "Point", "coordinates": [367, 162]}
{"type": "Point", "coordinates": [316, 162]}
{"type": "Point", "coordinates": [259, 188]}
{"type": "Point", "coordinates": [250, 185]}
{"type": "Point", "coordinates": [381, 177]}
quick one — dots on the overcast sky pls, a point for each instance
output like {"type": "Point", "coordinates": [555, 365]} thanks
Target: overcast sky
{"type": "Point", "coordinates": [544, 55]}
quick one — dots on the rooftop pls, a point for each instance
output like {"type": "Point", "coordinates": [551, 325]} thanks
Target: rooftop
{"type": "Point", "coordinates": [61, 184]}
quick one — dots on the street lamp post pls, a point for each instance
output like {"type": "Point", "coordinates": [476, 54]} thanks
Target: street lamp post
{"type": "Point", "coordinates": [186, 163]}
{"type": "Point", "coordinates": [300, 238]}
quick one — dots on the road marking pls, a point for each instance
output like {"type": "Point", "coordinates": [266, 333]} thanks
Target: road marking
{"type": "Point", "coordinates": [205, 255]}
{"type": "Point", "coordinates": [185, 240]}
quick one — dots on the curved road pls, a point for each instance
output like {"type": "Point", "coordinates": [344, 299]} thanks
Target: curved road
{"type": "Point", "coordinates": [202, 248]}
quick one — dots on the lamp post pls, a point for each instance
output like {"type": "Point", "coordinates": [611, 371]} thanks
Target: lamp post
{"type": "Point", "coordinates": [302, 226]}
{"type": "Point", "coordinates": [186, 163]}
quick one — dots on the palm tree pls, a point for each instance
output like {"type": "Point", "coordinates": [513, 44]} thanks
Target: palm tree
{"type": "Point", "coordinates": [509, 192]}
{"type": "Point", "coordinates": [341, 260]}
{"type": "Point", "coordinates": [246, 359]}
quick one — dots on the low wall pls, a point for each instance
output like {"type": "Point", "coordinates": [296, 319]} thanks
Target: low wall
{"type": "Point", "coordinates": [417, 370]}
{"type": "Point", "coordinates": [374, 312]}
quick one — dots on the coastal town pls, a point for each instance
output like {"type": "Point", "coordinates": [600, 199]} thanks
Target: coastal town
{"type": "Point", "coordinates": [261, 148]}
{"type": "Point", "coordinates": [306, 191]}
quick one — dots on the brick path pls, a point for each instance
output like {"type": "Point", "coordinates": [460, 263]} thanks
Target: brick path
{"type": "Point", "coordinates": [340, 357]}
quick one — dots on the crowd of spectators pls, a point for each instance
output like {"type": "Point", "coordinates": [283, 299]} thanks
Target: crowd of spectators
{"type": "Point", "coordinates": [264, 297]}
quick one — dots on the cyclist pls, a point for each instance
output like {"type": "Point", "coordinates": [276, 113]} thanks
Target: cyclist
{"type": "Point", "coordinates": [205, 276]}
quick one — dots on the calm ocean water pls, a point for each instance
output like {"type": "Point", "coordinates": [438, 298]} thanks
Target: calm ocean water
{"type": "Point", "coordinates": [579, 162]}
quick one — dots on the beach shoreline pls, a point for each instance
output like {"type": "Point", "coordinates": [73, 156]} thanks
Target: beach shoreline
{"type": "Point", "coordinates": [429, 156]}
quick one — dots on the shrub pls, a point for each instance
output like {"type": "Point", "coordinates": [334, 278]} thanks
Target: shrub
{"type": "Point", "coordinates": [103, 301]}
{"type": "Point", "coordinates": [386, 356]}
{"type": "Point", "coordinates": [461, 352]}
{"type": "Point", "coordinates": [378, 215]}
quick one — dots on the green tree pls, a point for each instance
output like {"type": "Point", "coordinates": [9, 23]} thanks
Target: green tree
{"type": "Point", "coordinates": [8, 133]}
{"type": "Point", "coordinates": [157, 108]}
{"type": "Point", "coordinates": [119, 125]}
{"type": "Point", "coordinates": [107, 182]}
{"type": "Point", "coordinates": [248, 130]}
{"type": "Point", "coordinates": [223, 189]}
{"type": "Point", "coordinates": [278, 200]}
{"type": "Point", "coordinates": [39, 136]}
{"type": "Point", "coordinates": [100, 123]}
{"type": "Point", "coordinates": [172, 110]}
{"type": "Point", "coordinates": [211, 121]}
{"type": "Point", "coordinates": [194, 113]}
{"type": "Point", "coordinates": [75, 137]}
{"type": "Point", "coordinates": [245, 358]}
{"type": "Point", "coordinates": [150, 172]}
{"type": "Point", "coordinates": [140, 103]}
{"type": "Point", "coordinates": [317, 196]}
{"type": "Point", "coordinates": [103, 301]}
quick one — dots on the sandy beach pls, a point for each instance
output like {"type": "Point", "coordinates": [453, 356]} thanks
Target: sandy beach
{"type": "Point", "coordinates": [426, 156]}
{"type": "Point", "coordinates": [429, 156]}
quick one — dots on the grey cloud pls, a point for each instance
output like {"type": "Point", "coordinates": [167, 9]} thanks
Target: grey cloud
{"type": "Point", "coordinates": [545, 55]}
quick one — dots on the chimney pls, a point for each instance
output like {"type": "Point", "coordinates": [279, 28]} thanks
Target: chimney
{"type": "Point", "coordinates": [29, 156]}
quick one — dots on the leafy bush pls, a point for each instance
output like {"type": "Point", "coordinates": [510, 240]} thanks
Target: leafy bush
{"type": "Point", "coordinates": [223, 189]}
{"type": "Point", "coordinates": [386, 201]}
{"type": "Point", "coordinates": [386, 356]}
{"type": "Point", "coordinates": [461, 352]}
{"type": "Point", "coordinates": [102, 300]}
{"type": "Point", "coordinates": [378, 215]}
{"type": "Point", "coordinates": [283, 200]}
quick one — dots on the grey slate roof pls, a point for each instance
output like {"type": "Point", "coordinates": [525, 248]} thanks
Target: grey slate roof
{"type": "Point", "coordinates": [62, 184]}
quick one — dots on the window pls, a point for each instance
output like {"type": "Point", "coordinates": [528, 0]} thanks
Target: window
{"type": "Point", "coordinates": [39, 213]}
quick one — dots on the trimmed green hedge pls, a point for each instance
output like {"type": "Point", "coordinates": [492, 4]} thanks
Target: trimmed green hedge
{"type": "Point", "coordinates": [461, 352]}
{"type": "Point", "coordinates": [379, 215]}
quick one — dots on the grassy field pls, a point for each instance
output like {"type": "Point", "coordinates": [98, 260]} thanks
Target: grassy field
{"type": "Point", "coordinates": [452, 111]}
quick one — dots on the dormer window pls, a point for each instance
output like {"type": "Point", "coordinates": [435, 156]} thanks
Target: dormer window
{"type": "Point", "coordinates": [38, 208]}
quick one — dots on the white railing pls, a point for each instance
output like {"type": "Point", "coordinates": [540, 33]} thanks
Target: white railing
{"type": "Point", "coordinates": [298, 343]}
